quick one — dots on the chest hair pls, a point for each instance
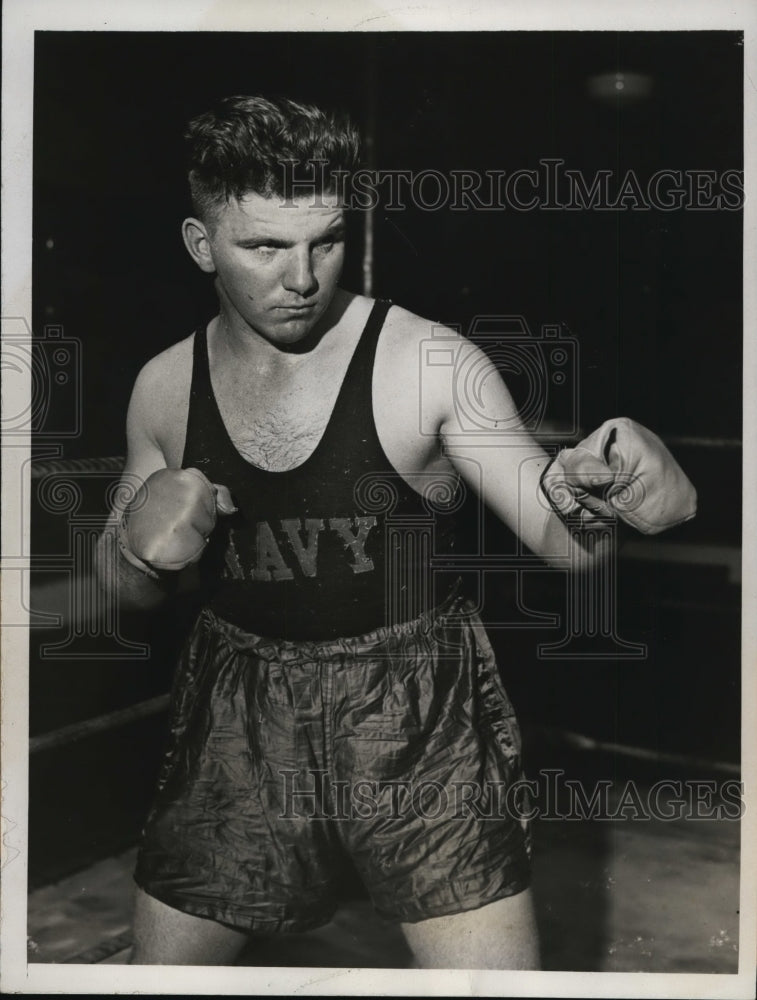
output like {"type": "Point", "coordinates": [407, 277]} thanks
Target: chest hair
{"type": "Point", "coordinates": [278, 430]}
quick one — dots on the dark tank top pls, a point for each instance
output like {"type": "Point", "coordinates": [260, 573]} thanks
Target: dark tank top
{"type": "Point", "coordinates": [338, 546]}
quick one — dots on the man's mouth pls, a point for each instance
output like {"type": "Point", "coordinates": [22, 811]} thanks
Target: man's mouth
{"type": "Point", "coordinates": [296, 314]}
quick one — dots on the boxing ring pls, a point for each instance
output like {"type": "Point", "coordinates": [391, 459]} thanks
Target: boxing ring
{"type": "Point", "coordinates": [82, 916]}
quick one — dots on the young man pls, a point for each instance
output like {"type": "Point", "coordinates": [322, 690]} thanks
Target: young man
{"type": "Point", "coordinates": [278, 448]}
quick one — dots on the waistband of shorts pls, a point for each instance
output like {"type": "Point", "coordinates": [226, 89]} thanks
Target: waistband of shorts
{"type": "Point", "coordinates": [454, 605]}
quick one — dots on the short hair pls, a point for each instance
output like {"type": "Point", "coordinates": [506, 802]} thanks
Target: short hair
{"type": "Point", "coordinates": [265, 146]}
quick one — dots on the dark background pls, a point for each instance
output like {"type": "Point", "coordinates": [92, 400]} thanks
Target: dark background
{"type": "Point", "coordinates": [653, 298]}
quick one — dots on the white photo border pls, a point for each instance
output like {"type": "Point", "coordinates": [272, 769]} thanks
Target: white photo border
{"type": "Point", "coordinates": [21, 18]}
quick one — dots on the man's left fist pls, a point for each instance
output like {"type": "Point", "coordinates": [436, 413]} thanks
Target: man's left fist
{"type": "Point", "coordinates": [622, 470]}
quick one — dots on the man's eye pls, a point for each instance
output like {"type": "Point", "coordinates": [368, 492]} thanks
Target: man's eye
{"type": "Point", "coordinates": [262, 249]}
{"type": "Point", "coordinates": [328, 245]}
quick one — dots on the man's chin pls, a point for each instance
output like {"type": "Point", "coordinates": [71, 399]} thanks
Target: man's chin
{"type": "Point", "coordinates": [289, 330]}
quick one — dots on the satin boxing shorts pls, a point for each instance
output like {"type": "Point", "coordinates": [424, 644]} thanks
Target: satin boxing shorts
{"type": "Point", "coordinates": [398, 750]}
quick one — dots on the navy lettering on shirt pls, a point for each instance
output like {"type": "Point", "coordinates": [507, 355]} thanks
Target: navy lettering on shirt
{"type": "Point", "coordinates": [294, 544]}
{"type": "Point", "coordinates": [307, 554]}
{"type": "Point", "coordinates": [270, 562]}
{"type": "Point", "coordinates": [355, 542]}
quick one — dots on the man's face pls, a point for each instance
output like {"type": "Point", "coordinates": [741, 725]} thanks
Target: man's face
{"type": "Point", "coordinates": [277, 263]}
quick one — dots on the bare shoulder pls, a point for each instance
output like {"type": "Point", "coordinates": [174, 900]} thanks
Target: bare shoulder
{"type": "Point", "coordinates": [403, 333]}
{"type": "Point", "coordinates": [166, 378]}
{"type": "Point", "coordinates": [160, 399]}
{"type": "Point", "coordinates": [415, 348]}
{"type": "Point", "coordinates": [410, 383]}
{"type": "Point", "coordinates": [435, 366]}
{"type": "Point", "coordinates": [408, 331]}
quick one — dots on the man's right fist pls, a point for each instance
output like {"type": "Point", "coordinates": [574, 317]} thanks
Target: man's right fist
{"type": "Point", "coordinates": [168, 523]}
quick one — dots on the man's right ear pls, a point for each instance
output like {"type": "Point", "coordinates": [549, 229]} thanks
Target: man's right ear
{"type": "Point", "coordinates": [198, 244]}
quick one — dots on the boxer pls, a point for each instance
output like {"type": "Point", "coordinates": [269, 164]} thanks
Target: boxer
{"type": "Point", "coordinates": [275, 446]}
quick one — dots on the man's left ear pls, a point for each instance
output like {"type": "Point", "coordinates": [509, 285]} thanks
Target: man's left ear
{"type": "Point", "coordinates": [198, 244]}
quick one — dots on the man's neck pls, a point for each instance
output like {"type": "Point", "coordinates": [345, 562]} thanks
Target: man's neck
{"type": "Point", "coordinates": [242, 342]}
{"type": "Point", "coordinates": [234, 342]}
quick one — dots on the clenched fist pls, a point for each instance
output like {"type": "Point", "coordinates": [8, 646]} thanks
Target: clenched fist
{"type": "Point", "coordinates": [622, 470]}
{"type": "Point", "coordinates": [168, 523]}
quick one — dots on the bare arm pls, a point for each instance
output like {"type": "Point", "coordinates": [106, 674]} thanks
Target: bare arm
{"type": "Point", "coordinates": [133, 588]}
{"type": "Point", "coordinates": [500, 460]}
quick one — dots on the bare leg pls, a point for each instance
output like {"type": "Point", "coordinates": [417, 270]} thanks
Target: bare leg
{"type": "Point", "coordinates": [165, 936]}
{"type": "Point", "coordinates": [502, 935]}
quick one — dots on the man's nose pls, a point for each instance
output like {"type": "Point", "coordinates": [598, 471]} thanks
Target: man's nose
{"type": "Point", "coordinates": [299, 275]}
